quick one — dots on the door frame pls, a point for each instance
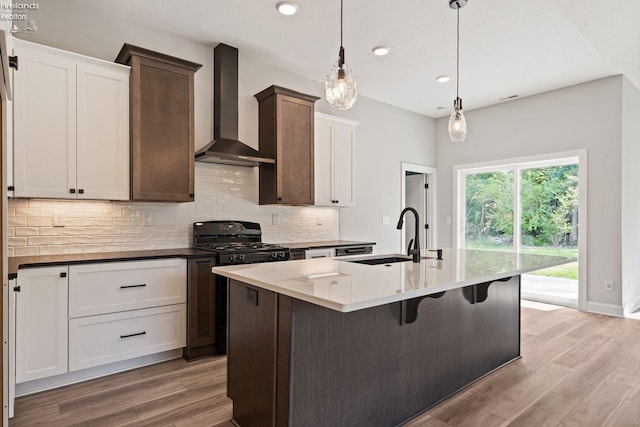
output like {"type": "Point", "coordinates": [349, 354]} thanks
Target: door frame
{"type": "Point", "coordinates": [550, 159]}
{"type": "Point", "coordinates": [430, 172]}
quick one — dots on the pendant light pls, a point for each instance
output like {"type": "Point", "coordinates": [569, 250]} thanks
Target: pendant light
{"type": "Point", "coordinates": [340, 87]}
{"type": "Point", "coordinates": [457, 122]}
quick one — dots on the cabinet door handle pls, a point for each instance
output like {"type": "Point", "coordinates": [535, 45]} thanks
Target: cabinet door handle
{"type": "Point", "coordinates": [72, 190]}
{"type": "Point", "coordinates": [142, 285]}
{"type": "Point", "coordinates": [81, 191]}
{"type": "Point", "coordinates": [279, 199]}
{"type": "Point", "coordinates": [63, 274]}
{"type": "Point", "coordinates": [133, 335]}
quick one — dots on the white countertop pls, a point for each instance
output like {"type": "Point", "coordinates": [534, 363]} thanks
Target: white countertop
{"type": "Point", "coordinates": [348, 286]}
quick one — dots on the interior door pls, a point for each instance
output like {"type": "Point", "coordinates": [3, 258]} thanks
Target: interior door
{"type": "Point", "coordinates": [416, 198]}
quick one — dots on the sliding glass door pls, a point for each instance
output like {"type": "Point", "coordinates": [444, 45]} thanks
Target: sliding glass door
{"type": "Point", "coordinates": [528, 208]}
{"type": "Point", "coordinates": [489, 207]}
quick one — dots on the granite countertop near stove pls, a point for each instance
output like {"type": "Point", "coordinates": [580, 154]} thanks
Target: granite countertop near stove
{"type": "Point", "coordinates": [16, 263]}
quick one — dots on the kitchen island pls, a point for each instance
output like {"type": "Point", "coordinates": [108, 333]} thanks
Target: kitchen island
{"type": "Point", "coordinates": [339, 342]}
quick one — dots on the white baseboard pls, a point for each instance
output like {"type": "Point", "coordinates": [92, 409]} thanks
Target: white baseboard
{"type": "Point", "coordinates": [631, 306]}
{"type": "Point", "coordinates": [43, 384]}
{"type": "Point", "coordinates": [602, 308]}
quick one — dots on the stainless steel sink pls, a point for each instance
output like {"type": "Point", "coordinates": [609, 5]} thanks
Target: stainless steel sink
{"type": "Point", "coordinates": [386, 259]}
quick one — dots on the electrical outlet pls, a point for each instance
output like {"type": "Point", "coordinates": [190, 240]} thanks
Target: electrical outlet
{"type": "Point", "coordinates": [58, 219]}
{"type": "Point", "coordinates": [275, 219]}
{"type": "Point", "coordinates": [386, 220]}
{"type": "Point", "coordinates": [252, 296]}
{"type": "Point", "coordinates": [608, 285]}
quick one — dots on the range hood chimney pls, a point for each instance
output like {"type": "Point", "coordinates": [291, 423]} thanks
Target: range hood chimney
{"type": "Point", "coordinates": [225, 147]}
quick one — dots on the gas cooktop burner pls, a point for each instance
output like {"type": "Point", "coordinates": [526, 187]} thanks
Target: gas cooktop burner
{"type": "Point", "coordinates": [236, 246]}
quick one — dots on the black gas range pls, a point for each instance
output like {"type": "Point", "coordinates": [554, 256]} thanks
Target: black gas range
{"type": "Point", "coordinates": [233, 242]}
{"type": "Point", "coordinates": [236, 242]}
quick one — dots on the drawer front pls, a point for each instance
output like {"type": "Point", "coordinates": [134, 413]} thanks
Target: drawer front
{"type": "Point", "coordinates": [119, 286]}
{"type": "Point", "coordinates": [108, 338]}
{"type": "Point", "coordinates": [320, 253]}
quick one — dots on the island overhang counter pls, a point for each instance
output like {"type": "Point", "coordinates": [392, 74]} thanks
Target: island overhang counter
{"type": "Point", "coordinates": [341, 343]}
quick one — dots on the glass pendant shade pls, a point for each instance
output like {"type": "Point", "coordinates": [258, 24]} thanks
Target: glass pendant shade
{"type": "Point", "coordinates": [457, 124]}
{"type": "Point", "coordinates": [341, 87]}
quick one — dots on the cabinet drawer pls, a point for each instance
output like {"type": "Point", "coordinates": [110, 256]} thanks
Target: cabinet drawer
{"type": "Point", "coordinates": [108, 338]}
{"type": "Point", "coordinates": [119, 286]}
{"type": "Point", "coordinates": [320, 253]}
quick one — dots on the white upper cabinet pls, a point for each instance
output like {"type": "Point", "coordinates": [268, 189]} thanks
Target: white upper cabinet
{"type": "Point", "coordinates": [71, 125]}
{"type": "Point", "coordinates": [334, 149]}
{"type": "Point", "coordinates": [103, 132]}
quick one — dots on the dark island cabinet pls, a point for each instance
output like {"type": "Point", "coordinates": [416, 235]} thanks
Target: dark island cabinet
{"type": "Point", "coordinates": [201, 301]}
{"type": "Point", "coordinates": [162, 125]}
{"type": "Point", "coordinates": [286, 121]}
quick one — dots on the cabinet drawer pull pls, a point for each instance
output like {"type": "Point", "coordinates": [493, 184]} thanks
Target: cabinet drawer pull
{"type": "Point", "coordinates": [81, 191]}
{"type": "Point", "coordinates": [142, 285]}
{"type": "Point", "coordinates": [72, 190]}
{"type": "Point", "coordinates": [133, 335]}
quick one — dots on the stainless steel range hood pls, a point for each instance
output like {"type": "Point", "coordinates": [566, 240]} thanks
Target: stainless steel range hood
{"type": "Point", "coordinates": [225, 147]}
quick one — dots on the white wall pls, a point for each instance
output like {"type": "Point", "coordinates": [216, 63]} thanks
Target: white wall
{"type": "Point", "coordinates": [586, 116]}
{"type": "Point", "coordinates": [630, 196]}
{"type": "Point", "coordinates": [385, 137]}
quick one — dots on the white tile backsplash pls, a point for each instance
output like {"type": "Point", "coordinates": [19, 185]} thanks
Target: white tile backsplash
{"type": "Point", "coordinates": [221, 193]}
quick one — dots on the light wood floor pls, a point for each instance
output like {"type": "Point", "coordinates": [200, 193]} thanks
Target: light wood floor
{"type": "Point", "coordinates": [578, 369]}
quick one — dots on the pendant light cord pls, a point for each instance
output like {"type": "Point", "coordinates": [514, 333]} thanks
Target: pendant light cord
{"type": "Point", "coordinates": [341, 7]}
{"type": "Point", "coordinates": [458, 55]}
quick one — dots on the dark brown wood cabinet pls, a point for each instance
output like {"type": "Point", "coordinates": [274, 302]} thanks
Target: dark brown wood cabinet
{"type": "Point", "coordinates": [286, 135]}
{"type": "Point", "coordinates": [162, 125]}
{"type": "Point", "coordinates": [201, 312]}
{"type": "Point", "coordinates": [293, 363]}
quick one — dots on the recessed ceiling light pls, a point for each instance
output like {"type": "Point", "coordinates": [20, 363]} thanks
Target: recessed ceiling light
{"type": "Point", "coordinates": [441, 108]}
{"type": "Point", "coordinates": [443, 79]}
{"type": "Point", "coordinates": [287, 7]}
{"type": "Point", "coordinates": [380, 50]}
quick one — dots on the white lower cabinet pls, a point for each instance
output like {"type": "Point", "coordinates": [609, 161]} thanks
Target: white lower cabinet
{"type": "Point", "coordinates": [97, 340]}
{"type": "Point", "coordinates": [119, 286]}
{"type": "Point", "coordinates": [94, 318]}
{"type": "Point", "coordinates": [320, 253]}
{"type": "Point", "coordinates": [41, 323]}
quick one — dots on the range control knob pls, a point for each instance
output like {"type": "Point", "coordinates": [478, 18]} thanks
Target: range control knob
{"type": "Point", "coordinates": [232, 258]}
{"type": "Point", "coordinates": [281, 255]}
{"type": "Point", "coordinates": [274, 255]}
{"type": "Point", "coordinates": [240, 257]}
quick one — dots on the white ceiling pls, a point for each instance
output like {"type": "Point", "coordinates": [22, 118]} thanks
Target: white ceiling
{"type": "Point", "coordinates": [517, 47]}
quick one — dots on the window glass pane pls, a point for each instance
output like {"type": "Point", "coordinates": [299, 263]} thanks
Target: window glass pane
{"type": "Point", "coordinates": [489, 210]}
